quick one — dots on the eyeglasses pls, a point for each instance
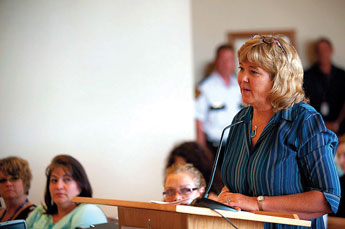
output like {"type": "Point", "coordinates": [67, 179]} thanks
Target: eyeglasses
{"type": "Point", "coordinates": [180, 191]}
{"type": "Point", "coordinates": [270, 40]}
{"type": "Point", "coordinates": [12, 179]}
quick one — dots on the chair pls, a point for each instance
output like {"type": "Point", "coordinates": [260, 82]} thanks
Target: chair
{"type": "Point", "coordinates": [335, 222]}
{"type": "Point", "coordinates": [109, 225]}
{"type": "Point", "coordinates": [13, 224]}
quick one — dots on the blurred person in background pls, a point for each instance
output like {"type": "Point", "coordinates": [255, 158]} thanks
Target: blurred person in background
{"type": "Point", "coordinates": [324, 85]}
{"type": "Point", "coordinates": [218, 99]}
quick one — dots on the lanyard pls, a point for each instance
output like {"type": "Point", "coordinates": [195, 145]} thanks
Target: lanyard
{"type": "Point", "coordinates": [15, 212]}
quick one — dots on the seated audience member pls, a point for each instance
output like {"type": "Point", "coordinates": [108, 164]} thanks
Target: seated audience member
{"type": "Point", "coordinates": [15, 177]}
{"type": "Point", "coordinates": [66, 178]}
{"type": "Point", "coordinates": [341, 163]}
{"type": "Point", "coordinates": [194, 153]}
{"type": "Point", "coordinates": [183, 183]}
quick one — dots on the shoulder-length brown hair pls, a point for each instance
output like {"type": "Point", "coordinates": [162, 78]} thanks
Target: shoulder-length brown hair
{"type": "Point", "coordinates": [280, 59]}
{"type": "Point", "coordinates": [77, 172]}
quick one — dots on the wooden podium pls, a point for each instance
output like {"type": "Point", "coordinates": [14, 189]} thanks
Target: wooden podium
{"type": "Point", "coordinates": [134, 214]}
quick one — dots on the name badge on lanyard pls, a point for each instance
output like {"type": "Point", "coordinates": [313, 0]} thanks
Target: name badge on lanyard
{"type": "Point", "coordinates": [324, 109]}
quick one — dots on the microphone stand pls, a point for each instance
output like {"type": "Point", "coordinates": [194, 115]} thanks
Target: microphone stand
{"type": "Point", "coordinates": [203, 201]}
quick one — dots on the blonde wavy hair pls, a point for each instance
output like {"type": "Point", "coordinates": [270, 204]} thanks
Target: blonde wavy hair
{"type": "Point", "coordinates": [188, 168]}
{"type": "Point", "coordinates": [280, 59]}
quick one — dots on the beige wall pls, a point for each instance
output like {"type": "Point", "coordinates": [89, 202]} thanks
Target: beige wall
{"type": "Point", "coordinates": [212, 20]}
{"type": "Point", "coordinates": [109, 82]}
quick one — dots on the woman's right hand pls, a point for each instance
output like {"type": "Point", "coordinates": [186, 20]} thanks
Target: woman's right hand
{"type": "Point", "coordinates": [237, 200]}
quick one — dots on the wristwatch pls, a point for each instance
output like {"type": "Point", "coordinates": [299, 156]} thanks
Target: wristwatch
{"type": "Point", "coordinates": [260, 202]}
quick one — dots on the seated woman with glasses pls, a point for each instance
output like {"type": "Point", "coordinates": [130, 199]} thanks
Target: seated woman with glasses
{"type": "Point", "coordinates": [66, 178]}
{"type": "Point", "coordinates": [194, 153]}
{"type": "Point", "coordinates": [15, 177]}
{"type": "Point", "coordinates": [183, 183]}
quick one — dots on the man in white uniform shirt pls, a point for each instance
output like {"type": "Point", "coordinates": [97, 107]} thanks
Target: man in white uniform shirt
{"type": "Point", "coordinates": [218, 99]}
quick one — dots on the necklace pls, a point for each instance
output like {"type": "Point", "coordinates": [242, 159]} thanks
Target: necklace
{"type": "Point", "coordinates": [15, 212]}
{"type": "Point", "coordinates": [253, 134]}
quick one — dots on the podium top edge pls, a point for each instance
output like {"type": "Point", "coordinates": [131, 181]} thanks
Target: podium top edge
{"type": "Point", "coordinates": [194, 210]}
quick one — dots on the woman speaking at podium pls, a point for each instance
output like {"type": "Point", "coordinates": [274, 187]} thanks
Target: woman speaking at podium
{"type": "Point", "coordinates": [281, 158]}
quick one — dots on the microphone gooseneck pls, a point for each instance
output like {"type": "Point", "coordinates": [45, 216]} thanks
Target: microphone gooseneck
{"type": "Point", "coordinates": [204, 201]}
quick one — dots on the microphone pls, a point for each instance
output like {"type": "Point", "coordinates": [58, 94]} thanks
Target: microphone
{"type": "Point", "coordinates": [203, 201]}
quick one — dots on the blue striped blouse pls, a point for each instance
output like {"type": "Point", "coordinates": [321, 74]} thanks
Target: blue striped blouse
{"type": "Point", "coordinates": [294, 154]}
